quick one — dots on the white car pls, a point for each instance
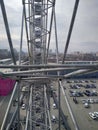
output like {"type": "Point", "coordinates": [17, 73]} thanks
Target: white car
{"type": "Point", "coordinates": [54, 106]}
{"type": "Point", "coordinates": [96, 114]}
{"type": "Point", "coordinates": [23, 106]}
{"type": "Point", "coordinates": [86, 105]}
{"type": "Point", "coordinates": [53, 119]}
{"type": "Point", "coordinates": [91, 100]}
{"type": "Point", "coordinates": [92, 115]}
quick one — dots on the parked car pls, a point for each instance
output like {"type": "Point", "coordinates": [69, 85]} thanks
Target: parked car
{"type": "Point", "coordinates": [86, 105]}
{"type": "Point", "coordinates": [92, 86]}
{"type": "Point", "coordinates": [80, 94]}
{"type": "Point", "coordinates": [23, 106]}
{"type": "Point", "coordinates": [54, 106]}
{"type": "Point", "coordinates": [87, 86]}
{"type": "Point", "coordinates": [75, 93]}
{"type": "Point", "coordinates": [96, 114]}
{"type": "Point", "coordinates": [75, 101]}
{"type": "Point", "coordinates": [90, 100]}
{"type": "Point", "coordinates": [96, 100]}
{"type": "Point", "coordinates": [83, 101]}
{"type": "Point", "coordinates": [87, 93]}
{"type": "Point", "coordinates": [53, 119]}
{"type": "Point", "coordinates": [93, 81]}
{"type": "Point", "coordinates": [92, 115]}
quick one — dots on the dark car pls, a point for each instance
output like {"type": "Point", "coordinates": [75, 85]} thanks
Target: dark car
{"type": "Point", "coordinates": [80, 94]}
{"type": "Point", "coordinates": [92, 86]}
{"type": "Point", "coordinates": [87, 86]}
{"type": "Point", "coordinates": [87, 93]}
{"type": "Point", "coordinates": [75, 100]}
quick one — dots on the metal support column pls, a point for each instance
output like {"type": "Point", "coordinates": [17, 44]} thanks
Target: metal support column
{"type": "Point", "coordinates": [7, 30]}
{"type": "Point", "coordinates": [30, 105]}
{"type": "Point", "coordinates": [70, 29]}
{"type": "Point", "coordinates": [51, 22]}
{"type": "Point", "coordinates": [59, 105]}
{"type": "Point", "coordinates": [18, 114]}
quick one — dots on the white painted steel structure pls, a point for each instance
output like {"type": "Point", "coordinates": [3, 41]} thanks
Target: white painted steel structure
{"type": "Point", "coordinates": [39, 16]}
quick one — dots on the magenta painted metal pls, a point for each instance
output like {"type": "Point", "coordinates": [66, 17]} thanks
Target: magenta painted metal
{"type": "Point", "coordinates": [6, 86]}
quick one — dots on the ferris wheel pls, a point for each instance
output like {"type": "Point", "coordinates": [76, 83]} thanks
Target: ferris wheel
{"type": "Point", "coordinates": [33, 85]}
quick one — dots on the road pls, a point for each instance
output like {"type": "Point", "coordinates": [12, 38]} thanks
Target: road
{"type": "Point", "coordinates": [4, 100]}
{"type": "Point", "coordinates": [69, 108]}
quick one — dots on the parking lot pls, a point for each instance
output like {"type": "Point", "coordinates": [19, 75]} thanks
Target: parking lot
{"type": "Point", "coordinates": [83, 99]}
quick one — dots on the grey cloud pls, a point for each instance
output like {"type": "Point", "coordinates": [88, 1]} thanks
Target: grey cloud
{"type": "Point", "coordinates": [89, 46]}
{"type": "Point", "coordinates": [85, 28]}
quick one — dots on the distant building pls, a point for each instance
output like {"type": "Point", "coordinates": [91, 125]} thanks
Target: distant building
{"type": "Point", "coordinates": [96, 54]}
{"type": "Point", "coordinates": [4, 53]}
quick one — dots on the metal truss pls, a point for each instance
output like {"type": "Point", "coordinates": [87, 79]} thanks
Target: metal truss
{"type": "Point", "coordinates": [38, 16]}
{"type": "Point", "coordinates": [35, 15]}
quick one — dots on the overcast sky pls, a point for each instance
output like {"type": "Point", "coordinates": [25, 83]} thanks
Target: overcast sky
{"type": "Point", "coordinates": [85, 32]}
